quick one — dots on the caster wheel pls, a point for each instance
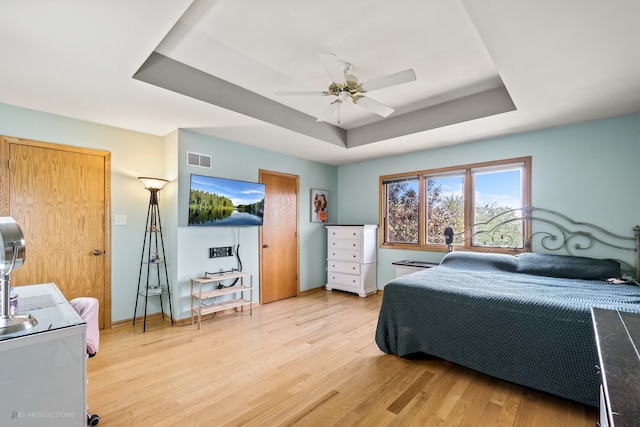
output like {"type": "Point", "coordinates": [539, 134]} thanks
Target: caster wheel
{"type": "Point", "coordinates": [93, 420]}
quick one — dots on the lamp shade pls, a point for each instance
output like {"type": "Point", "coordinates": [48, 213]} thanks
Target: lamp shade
{"type": "Point", "coordinates": [153, 183]}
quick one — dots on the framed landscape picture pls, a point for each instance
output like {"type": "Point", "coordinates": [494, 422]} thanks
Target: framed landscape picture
{"type": "Point", "coordinates": [319, 205]}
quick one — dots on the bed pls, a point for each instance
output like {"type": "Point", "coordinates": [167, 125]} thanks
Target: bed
{"type": "Point", "coordinates": [523, 318]}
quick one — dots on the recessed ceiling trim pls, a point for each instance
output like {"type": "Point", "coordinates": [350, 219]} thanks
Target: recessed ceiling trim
{"type": "Point", "coordinates": [162, 71]}
{"type": "Point", "coordinates": [173, 75]}
{"type": "Point", "coordinates": [483, 104]}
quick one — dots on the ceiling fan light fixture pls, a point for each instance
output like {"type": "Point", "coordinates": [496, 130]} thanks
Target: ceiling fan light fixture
{"type": "Point", "coordinates": [346, 86]}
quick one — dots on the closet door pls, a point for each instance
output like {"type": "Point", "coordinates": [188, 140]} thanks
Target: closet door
{"type": "Point", "coordinates": [279, 253]}
{"type": "Point", "coordinates": [59, 195]}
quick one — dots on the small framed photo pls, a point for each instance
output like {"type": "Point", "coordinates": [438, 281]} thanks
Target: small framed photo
{"type": "Point", "coordinates": [319, 205]}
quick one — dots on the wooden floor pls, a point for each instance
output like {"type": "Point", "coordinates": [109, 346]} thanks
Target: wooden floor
{"type": "Point", "coordinates": [305, 361]}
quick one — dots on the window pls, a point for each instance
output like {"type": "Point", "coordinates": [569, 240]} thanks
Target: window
{"type": "Point", "coordinates": [445, 205]}
{"type": "Point", "coordinates": [402, 206]}
{"type": "Point", "coordinates": [417, 207]}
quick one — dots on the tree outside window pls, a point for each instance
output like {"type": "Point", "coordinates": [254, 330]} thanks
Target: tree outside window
{"type": "Point", "coordinates": [402, 207]}
{"type": "Point", "coordinates": [417, 207]}
{"type": "Point", "coordinates": [445, 206]}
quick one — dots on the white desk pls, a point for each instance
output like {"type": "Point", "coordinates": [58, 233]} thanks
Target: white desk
{"type": "Point", "coordinates": [43, 369]}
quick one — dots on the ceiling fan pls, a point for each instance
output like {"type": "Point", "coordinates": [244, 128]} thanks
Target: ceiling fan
{"type": "Point", "coordinates": [346, 86]}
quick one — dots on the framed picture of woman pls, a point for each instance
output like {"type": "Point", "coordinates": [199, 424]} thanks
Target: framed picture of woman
{"type": "Point", "coordinates": [319, 205]}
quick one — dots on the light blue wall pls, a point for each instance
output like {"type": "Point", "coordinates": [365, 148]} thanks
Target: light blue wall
{"type": "Point", "coordinates": [136, 154]}
{"type": "Point", "coordinates": [587, 171]}
{"type": "Point", "coordinates": [243, 162]}
{"type": "Point", "coordinates": [133, 154]}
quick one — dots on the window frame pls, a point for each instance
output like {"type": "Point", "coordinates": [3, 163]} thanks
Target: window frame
{"type": "Point", "coordinates": [469, 205]}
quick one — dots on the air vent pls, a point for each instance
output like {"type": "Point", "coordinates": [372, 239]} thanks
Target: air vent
{"type": "Point", "coordinates": [199, 160]}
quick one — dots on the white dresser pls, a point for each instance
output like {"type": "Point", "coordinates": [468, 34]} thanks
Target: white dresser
{"type": "Point", "coordinates": [352, 258]}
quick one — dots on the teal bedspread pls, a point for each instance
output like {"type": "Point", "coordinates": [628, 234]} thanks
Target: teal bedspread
{"type": "Point", "coordinates": [507, 316]}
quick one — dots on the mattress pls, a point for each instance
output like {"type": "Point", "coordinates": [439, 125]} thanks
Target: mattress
{"type": "Point", "coordinates": [483, 312]}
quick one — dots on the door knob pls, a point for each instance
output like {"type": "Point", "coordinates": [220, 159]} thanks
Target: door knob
{"type": "Point", "coordinates": [97, 252]}
{"type": "Point", "coordinates": [266, 245]}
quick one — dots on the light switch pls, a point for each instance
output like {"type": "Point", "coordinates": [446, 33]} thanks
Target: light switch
{"type": "Point", "coordinates": [120, 220]}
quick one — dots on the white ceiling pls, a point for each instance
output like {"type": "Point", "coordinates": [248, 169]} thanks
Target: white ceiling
{"type": "Point", "coordinates": [484, 67]}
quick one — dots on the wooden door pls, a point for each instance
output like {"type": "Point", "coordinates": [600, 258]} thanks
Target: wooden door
{"type": "Point", "coordinates": [279, 265]}
{"type": "Point", "coordinates": [59, 195]}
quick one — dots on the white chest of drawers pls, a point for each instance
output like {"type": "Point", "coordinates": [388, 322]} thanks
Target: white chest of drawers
{"type": "Point", "coordinates": [352, 258]}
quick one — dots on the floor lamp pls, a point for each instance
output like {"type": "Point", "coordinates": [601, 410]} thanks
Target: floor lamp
{"type": "Point", "coordinates": [153, 278]}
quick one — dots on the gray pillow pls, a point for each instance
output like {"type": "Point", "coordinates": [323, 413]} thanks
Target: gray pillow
{"type": "Point", "coordinates": [479, 261]}
{"type": "Point", "coordinates": [566, 266]}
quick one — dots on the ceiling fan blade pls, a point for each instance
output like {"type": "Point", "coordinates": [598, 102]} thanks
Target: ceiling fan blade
{"type": "Point", "coordinates": [333, 67]}
{"type": "Point", "coordinates": [333, 107]}
{"type": "Point", "coordinates": [373, 106]}
{"type": "Point", "coordinates": [389, 80]}
{"type": "Point", "coordinates": [301, 92]}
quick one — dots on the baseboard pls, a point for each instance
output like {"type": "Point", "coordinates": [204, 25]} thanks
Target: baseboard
{"type": "Point", "coordinates": [310, 291]}
{"type": "Point", "coordinates": [138, 319]}
{"type": "Point", "coordinates": [187, 320]}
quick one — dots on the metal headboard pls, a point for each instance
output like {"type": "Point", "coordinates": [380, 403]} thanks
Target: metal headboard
{"type": "Point", "coordinates": [546, 230]}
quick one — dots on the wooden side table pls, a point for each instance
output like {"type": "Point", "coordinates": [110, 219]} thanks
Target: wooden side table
{"type": "Point", "coordinates": [203, 289]}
